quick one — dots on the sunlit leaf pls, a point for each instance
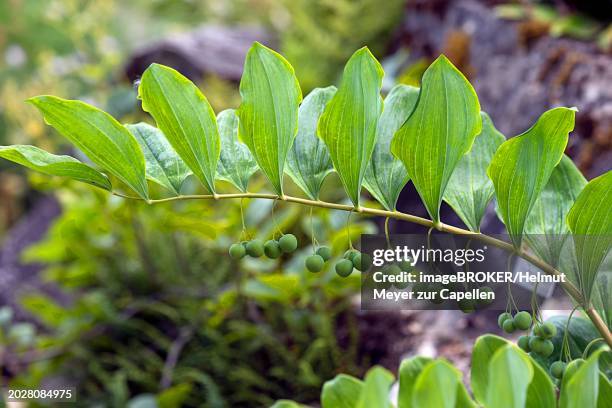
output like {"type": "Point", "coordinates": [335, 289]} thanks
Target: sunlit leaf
{"type": "Point", "coordinates": [510, 373]}
{"type": "Point", "coordinates": [269, 110]}
{"type": "Point", "coordinates": [236, 163]}
{"type": "Point", "coordinates": [440, 130]}
{"type": "Point", "coordinates": [348, 124]}
{"type": "Point", "coordinates": [522, 166]}
{"type": "Point", "coordinates": [163, 165]}
{"type": "Point", "coordinates": [185, 117]}
{"type": "Point", "coordinates": [385, 175]}
{"type": "Point", "coordinates": [53, 165]}
{"type": "Point", "coordinates": [437, 375]}
{"type": "Point", "coordinates": [376, 387]}
{"type": "Point", "coordinates": [104, 140]}
{"type": "Point", "coordinates": [409, 371]}
{"type": "Point", "coordinates": [545, 227]}
{"type": "Point", "coordinates": [343, 391]}
{"type": "Point", "coordinates": [590, 220]}
{"type": "Point", "coordinates": [308, 162]}
{"type": "Point", "coordinates": [469, 189]}
{"type": "Point", "coordinates": [580, 387]}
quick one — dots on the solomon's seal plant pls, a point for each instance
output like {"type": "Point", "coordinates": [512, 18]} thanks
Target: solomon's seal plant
{"type": "Point", "coordinates": [437, 137]}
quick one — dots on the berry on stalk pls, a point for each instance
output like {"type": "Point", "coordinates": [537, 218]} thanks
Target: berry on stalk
{"type": "Point", "coordinates": [314, 263]}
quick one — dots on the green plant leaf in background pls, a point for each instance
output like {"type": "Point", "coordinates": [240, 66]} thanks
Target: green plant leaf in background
{"type": "Point", "coordinates": [604, 398]}
{"type": "Point", "coordinates": [236, 163]}
{"type": "Point", "coordinates": [308, 161]}
{"type": "Point", "coordinates": [104, 140]}
{"type": "Point", "coordinates": [348, 124]}
{"type": "Point", "coordinates": [376, 387]}
{"type": "Point", "coordinates": [185, 117]}
{"type": "Point", "coordinates": [163, 165]}
{"type": "Point", "coordinates": [469, 189]}
{"type": "Point", "coordinates": [522, 166]}
{"type": "Point", "coordinates": [510, 373]}
{"type": "Point", "coordinates": [343, 391]}
{"type": "Point", "coordinates": [590, 221]}
{"type": "Point", "coordinates": [440, 130]}
{"type": "Point", "coordinates": [437, 375]}
{"type": "Point", "coordinates": [269, 110]}
{"type": "Point", "coordinates": [385, 175]}
{"type": "Point", "coordinates": [54, 165]}
{"type": "Point", "coordinates": [545, 227]}
{"type": "Point", "coordinates": [408, 373]}
{"type": "Point", "coordinates": [580, 387]}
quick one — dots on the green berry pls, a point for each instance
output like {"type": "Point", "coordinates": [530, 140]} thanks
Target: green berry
{"type": "Point", "coordinates": [535, 344]}
{"type": "Point", "coordinates": [467, 305]}
{"type": "Point", "coordinates": [362, 262]}
{"type": "Point", "coordinates": [272, 249]}
{"type": "Point", "coordinates": [548, 330]}
{"type": "Point", "coordinates": [557, 369]}
{"type": "Point", "coordinates": [314, 263]}
{"type": "Point", "coordinates": [537, 330]}
{"type": "Point", "coordinates": [523, 343]}
{"type": "Point", "coordinates": [237, 251]}
{"type": "Point", "coordinates": [508, 326]}
{"type": "Point", "coordinates": [547, 348]}
{"type": "Point", "coordinates": [350, 254]}
{"type": "Point", "coordinates": [288, 243]}
{"type": "Point", "coordinates": [344, 268]}
{"type": "Point", "coordinates": [406, 266]}
{"type": "Point", "coordinates": [255, 248]}
{"type": "Point", "coordinates": [486, 301]}
{"type": "Point", "coordinates": [325, 253]}
{"type": "Point", "coordinates": [522, 320]}
{"type": "Point", "coordinates": [502, 318]}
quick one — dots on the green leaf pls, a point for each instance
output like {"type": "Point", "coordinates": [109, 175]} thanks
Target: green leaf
{"type": "Point", "coordinates": [437, 386]}
{"type": "Point", "coordinates": [343, 391]}
{"type": "Point", "coordinates": [104, 140]}
{"type": "Point", "coordinates": [545, 227]}
{"type": "Point", "coordinates": [53, 165]}
{"type": "Point", "coordinates": [185, 117]}
{"type": "Point", "coordinates": [580, 389]}
{"type": "Point", "coordinates": [308, 162]}
{"type": "Point", "coordinates": [440, 130]}
{"type": "Point", "coordinates": [163, 165]}
{"type": "Point", "coordinates": [236, 163]}
{"type": "Point", "coordinates": [510, 373]}
{"type": "Point", "coordinates": [522, 166]}
{"type": "Point", "coordinates": [484, 349]}
{"type": "Point", "coordinates": [348, 124]}
{"type": "Point", "coordinates": [590, 220]}
{"type": "Point", "coordinates": [409, 371]}
{"type": "Point", "coordinates": [376, 388]}
{"type": "Point", "coordinates": [604, 398]}
{"type": "Point", "coordinates": [385, 175]}
{"type": "Point", "coordinates": [269, 110]}
{"type": "Point", "coordinates": [541, 391]}
{"type": "Point", "coordinates": [287, 404]}
{"type": "Point", "coordinates": [469, 189]}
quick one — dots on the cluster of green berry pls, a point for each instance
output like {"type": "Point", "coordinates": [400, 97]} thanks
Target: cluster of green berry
{"type": "Point", "coordinates": [353, 259]}
{"type": "Point", "coordinates": [520, 321]}
{"type": "Point", "coordinates": [272, 248]}
{"type": "Point", "coordinates": [539, 342]}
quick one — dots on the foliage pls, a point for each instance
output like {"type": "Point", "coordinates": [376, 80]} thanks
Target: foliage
{"type": "Point", "coordinates": [438, 133]}
{"type": "Point", "coordinates": [502, 375]}
{"type": "Point", "coordinates": [118, 262]}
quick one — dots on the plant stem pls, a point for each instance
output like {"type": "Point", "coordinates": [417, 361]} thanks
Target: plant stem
{"type": "Point", "coordinates": [568, 286]}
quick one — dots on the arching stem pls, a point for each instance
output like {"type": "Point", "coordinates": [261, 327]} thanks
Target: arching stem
{"type": "Point", "coordinates": [548, 269]}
